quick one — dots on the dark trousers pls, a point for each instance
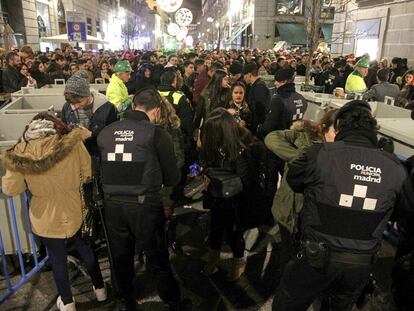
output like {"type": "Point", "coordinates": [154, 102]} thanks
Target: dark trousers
{"type": "Point", "coordinates": [132, 224]}
{"type": "Point", "coordinates": [224, 224]}
{"type": "Point", "coordinates": [288, 249]}
{"type": "Point", "coordinates": [274, 166]}
{"type": "Point", "coordinates": [57, 249]}
{"type": "Point", "coordinates": [339, 283]}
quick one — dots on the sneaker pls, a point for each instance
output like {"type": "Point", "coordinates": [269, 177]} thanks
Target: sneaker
{"type": "Point", "coordinates": [68, 307]}
{"type": "Point", "coordinates": [100, 293]}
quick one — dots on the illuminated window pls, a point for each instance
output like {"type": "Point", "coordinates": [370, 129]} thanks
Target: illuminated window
{"type": "Point", "coordinates": [289, 7]}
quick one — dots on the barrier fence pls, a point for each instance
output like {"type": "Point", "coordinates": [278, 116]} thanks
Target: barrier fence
{"type": "Point", "coordinates": [11, 223]}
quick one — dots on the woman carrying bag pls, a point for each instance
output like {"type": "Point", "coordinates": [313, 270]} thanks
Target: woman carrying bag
{"type": "Point", "coordinates": [50, 160]}
{"type": "Point", "coordinates": [232, 187]}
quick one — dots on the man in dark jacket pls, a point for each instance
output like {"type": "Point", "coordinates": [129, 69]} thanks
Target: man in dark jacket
{"type": "Point", "coordinates": [87, 108]}
{"type": "Point", "coordinates": [397, 69]}
{"type": "Point", "coordinates": [259, 94]}
{"type": "Point", "coordinates": [55, 69]}
{"type": "Point", "coordinates": [286, 107]}
{"type": "Point", "coordinates": [350, 188]}
{"type": "Point", "coordinates": [13, 80]}
{"type": "Point", "coordinates": [137, 159]}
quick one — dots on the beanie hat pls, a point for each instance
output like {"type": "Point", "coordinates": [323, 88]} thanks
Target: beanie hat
{"type": "Point", "coordinates": [235, 68]}
{"type": "Point", "coordinates": [123, 66]}
{"type": "Point", "coordinates": [78, 84]}
{"type": "Point", "coordinates": [363, 62]}
{"type": "Point", "coordinates": [284, 74]}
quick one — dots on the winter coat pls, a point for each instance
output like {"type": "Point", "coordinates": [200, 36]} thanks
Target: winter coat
{"type": "Point", "coordinates": [288, 145]}
{"type": "Point", "coordinates": [50, 168]}
{"type": "Point", "coordinates": [355, 83]}
{"type": "Point", "coordinates": [380, 90]}
{"type": "Point", "coordinates": [13, 80]}
{"type": "Point", "coordinates": [250, 204]}
{"type": "Point", "coordinates": [103, 114]}
{"type": "Point", "coordinates": [117, 91]}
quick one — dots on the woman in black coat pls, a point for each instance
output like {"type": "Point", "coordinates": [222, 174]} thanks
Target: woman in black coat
{"type": "Point", "coordinates": [227, 145]}
{"type": "Point", "coordinates": [38, 72]}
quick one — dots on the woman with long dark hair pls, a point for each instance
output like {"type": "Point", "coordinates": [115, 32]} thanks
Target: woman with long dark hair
{"type": "Point", "coordinates": [38, 72]}
{"type": "Point", "coordinates": [227, 145]}
{"type": "Point", "coordinates": [51, 161]}
{"type": "Point", "coordinates": [238, 106]}
{"type": "Point", "coordinates": [104, 72]}
{"type": "Point", "coordinates": [216, 94]}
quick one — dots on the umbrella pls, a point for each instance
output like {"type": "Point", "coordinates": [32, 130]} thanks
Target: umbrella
{"type": "Point", "coordinates": [64, 39]}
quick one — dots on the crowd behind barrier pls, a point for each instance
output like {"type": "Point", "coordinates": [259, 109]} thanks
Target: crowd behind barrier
{"type": "Point", "coordinates": [263, 91]}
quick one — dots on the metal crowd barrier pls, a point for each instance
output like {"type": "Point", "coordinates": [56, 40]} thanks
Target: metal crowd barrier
{"type": "Point", "coordinates": [12, 228]}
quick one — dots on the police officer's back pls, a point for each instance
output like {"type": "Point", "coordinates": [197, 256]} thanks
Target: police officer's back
{"type": "Point", "coordinates": [286, 106]}
{"type": "Point", "coordinates": [137, 159]}
{"type": "Point", "coordinates": [350, 190]}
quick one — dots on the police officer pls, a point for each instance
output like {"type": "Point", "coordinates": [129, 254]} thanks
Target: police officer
{"type": "Point", "coordinates": [350, 189]}
{"type": "Point", "coordinates": [168, 89]}
{"type": "Point", "coordinates": [286, 107]}
{"type": "Point", "coordinates": [137, 158]}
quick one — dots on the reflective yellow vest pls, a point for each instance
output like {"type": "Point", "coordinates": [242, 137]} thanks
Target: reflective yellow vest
{"type": "Point", "coordinates": [175, 95]}
{"type": "Point", "coordinates": [355, 83]}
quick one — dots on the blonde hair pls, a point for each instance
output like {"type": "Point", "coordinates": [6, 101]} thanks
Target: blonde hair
{"type": "Point", "coordinates": [168, 117]}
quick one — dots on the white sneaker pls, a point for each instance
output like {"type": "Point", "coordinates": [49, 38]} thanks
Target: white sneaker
{"type": "Point", "coordinates": [69, 307]}
{"type": "Point", "coordinates": [100, 293]}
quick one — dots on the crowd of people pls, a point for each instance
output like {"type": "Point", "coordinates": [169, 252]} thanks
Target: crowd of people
{"type": "Point", "coordinates": [161, 114]}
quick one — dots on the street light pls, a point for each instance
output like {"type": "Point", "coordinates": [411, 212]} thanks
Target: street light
{"type": "Point", "coordinates": [217, 24]}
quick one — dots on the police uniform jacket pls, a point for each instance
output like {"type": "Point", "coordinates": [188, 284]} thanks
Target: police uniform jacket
{"type": "Point", "coordinates": [182, 108]}
{"type": "Point", "coordinates": [137, 157]}
{"type": "Point", "coordinates": [259, 101]}
{"type": "Point", "coordinates": [286, 107]}
{"type": "Point", "coordinates": [350, 189]}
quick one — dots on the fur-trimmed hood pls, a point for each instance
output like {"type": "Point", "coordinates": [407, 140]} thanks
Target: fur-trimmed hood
{"type": "Point", "coordinates": [39, 155]}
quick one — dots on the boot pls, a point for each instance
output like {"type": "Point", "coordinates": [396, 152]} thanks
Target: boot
{"type": "Point", "coordinates": [62, 307]}
{"type": "Point", "coordinates": [236, 270]}
{"type": "Point", "coordinates": [211, 267]}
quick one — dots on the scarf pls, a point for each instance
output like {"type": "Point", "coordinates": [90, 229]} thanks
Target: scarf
{"type": "Point", "coordinates": [39, 129]}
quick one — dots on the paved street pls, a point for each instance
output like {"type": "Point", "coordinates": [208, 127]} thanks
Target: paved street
{"type": "Point", "coordinates": [254, 291]}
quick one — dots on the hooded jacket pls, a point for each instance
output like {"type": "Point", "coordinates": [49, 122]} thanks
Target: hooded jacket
{"type": "Point", "coordinates": [51, 169]}
{"type": "Point", "coordinates": [288, 145]}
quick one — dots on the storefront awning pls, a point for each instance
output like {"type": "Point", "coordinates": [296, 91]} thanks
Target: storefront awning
{"type": "Point", "coordinates": [292, 33]}
{"type": "Point", "coordinates": [237, 32]}
{"type": "Point", "coordinates": [368, 28]}
{"type": "Point", "coordinates": [327, 32]}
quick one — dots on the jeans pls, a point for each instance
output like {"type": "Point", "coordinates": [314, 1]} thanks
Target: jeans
{"type": "Point", "coordinates": [57, 249]}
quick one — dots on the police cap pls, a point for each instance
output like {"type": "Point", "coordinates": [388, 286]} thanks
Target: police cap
{"type": "Point", "coordinates": [353, 104]}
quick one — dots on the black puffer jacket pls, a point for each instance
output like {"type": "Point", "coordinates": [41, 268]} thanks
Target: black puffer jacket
{"type": "Point", "coordinates": [13, 80]}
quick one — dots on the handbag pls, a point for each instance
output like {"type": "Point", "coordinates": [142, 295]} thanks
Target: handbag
{"type": "Point", "coordinates": [224, 183]}
{"type": "Point", "coordinates": [89, 228]}
{"type": "Point", "coordinates": [194, 189]}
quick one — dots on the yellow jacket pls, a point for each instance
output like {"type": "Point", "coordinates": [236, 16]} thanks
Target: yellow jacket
{"type": "Point", "coordinates": [117, 91]}
{"type": "Point", "coordinates": [50, 168]}
{"type": "Point", "coordinates": [355, 83]}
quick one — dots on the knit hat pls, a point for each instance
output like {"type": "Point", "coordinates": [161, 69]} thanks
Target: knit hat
{"type": "Point", "coordinates": [123, 66]}
{"type": "Point", "coordinates": [284, 74]}
{"type": "Point", "coordinates": [78, 84]}
{"type": "Point", "coordinates": [363, 62]}
{"type": "Point", "coordinates": [235, 68]}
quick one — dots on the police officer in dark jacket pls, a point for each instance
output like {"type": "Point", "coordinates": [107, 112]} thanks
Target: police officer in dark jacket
{"type": "Point", "coordinates": [168, 89]}
{"type": "Point", "coordinates": [286, 107]}
{"type": "Point", "coordinates": [350, 189]}
{"type": "Point", "coordinates": [137, 159]}
{"type": "Point", "coordinates": [87, 108]}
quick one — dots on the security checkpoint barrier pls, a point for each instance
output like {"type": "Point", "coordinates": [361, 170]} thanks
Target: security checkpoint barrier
{"type": "Point", "coordinates": [16, 238]}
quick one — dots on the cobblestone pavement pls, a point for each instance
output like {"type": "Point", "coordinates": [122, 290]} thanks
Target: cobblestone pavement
{"type": "Point", "coordinates": [254, 291]}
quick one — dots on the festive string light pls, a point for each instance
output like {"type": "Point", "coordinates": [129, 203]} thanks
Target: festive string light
{"type": "Point", "coordinates": [173, 29]}
{"type": "Point", "coordinates": [183, 17]}
{"type": "Point", "coordinates": [170, 6]}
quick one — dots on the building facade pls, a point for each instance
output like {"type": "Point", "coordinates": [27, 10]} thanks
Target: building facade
{"type": "Point", "coordinates": [378, 27]}
{"type": "Point", "coordinates": [262, 23]}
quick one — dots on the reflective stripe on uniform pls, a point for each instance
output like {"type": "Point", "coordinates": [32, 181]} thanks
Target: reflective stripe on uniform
{"type": "Point", "coordinates": [176, 96]}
